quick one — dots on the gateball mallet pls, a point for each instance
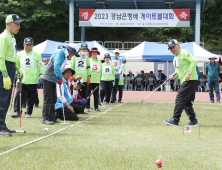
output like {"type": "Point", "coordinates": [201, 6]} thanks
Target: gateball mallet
{"type": "Point", "coordinates": [157, 88]}
{"type": "Point", "coordinates": [64, 123]}
{"type": "Point", "coordinates": [20, 96]}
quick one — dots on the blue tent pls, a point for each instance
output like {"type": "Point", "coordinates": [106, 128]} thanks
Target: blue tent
{"type": "Point", "coordinates": [149, 51]}
{"type": "Point", "coordinates": [47, 48]}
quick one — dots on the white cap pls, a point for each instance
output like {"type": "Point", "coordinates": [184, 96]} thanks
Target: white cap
{"type": "Point", "coordinates": [116, 51]}
{"type": "Point", "coordinates": [72, 45]}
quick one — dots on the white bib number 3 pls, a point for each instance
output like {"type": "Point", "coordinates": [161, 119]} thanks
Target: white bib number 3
{"type": "Point", "coordinates": [116, 64]}
{"type": "Point", "coordinates": [95, 67]}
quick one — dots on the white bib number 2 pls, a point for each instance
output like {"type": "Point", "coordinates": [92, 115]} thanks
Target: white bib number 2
{"type": "Point", "coordinates": [27, 61]}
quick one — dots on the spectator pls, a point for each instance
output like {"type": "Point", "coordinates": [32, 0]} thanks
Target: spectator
{"type": "Point", "coordinates": [45, 61]}
{"type": "Point", "coordinates": [202, 76]}
{"type": "Point", "coordinates": [130, 74]}
{"type": "Point", "coordinates": [142, 76]}
{"type": "Point", "coordinates": [154, 83]}
{"type": "Point", "coordinates": [220, 75]}
{"type": "Point", "coordinates": [160, 79]}
{"type": "Point", "coordinates": [213, 71]}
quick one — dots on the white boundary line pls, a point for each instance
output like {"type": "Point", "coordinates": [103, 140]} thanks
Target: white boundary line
{"type": "Point", "coordinates": [36, 140]}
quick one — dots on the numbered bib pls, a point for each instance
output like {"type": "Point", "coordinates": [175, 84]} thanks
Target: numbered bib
{"type": "Point", "coordinates": [27, 61]}
{"type": "Point", "coordinates": [116, 64]}
{"type": "Point", "coordinates": [175, 62]}
{"type": "Point", "coordinates": [107, 70]}
{"type": "Point", "coordinates": [80, 64]}
{"type": "Point", "coordinates": [95, 67]}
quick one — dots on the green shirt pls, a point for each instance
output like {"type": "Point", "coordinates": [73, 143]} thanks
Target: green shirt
{"type": "Point", "coordinates": [6, 49]}
{"type": "Point", "coordinates": [108, 72]}
{"type": "Point", "coordinates": [31, 65]}
{"type": "Point", "coordinates": [121, 77]}
{"type": "Point", "coordinates": [95, 70]}
{"type": "Point", "coordinates": [81, 67]}
{"type": "Point", "coordinates": [183, 62]}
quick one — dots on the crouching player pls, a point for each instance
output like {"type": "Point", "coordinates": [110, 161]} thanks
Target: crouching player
{"type": "Point", "coordinates": [77, 99]}
{"type": "Point", "coordinates": [107, 79]}
{"type": "Point", "coordinates": [64, 98]}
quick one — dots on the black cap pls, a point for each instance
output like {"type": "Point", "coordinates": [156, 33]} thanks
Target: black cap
{"type": "Point", "coordinates": [107, 55]}
{"type": "Point", "coordinates": [172, 43]}
{"type": "Point", "coordinates": [160, 71]}
{"type": "Point", "coordinates": [28, 40]}
{"type": "Point", "coordinates": [123, 60]}
{"type": "Point", "coordinates": [13, 18]}
{"type": "Point", "coordinates": [83, 45]}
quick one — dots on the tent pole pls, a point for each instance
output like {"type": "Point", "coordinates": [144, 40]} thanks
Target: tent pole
{"type": "Point", "coordinates": [167, 77]}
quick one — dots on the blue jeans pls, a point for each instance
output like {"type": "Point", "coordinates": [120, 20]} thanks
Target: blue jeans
{"type": "Point", "coordinates": [100, 99]}
{"type": "Point", "coordinates": [214, 84]}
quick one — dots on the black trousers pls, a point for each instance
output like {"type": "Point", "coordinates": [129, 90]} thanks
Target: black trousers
{"type": "Point", "coordinates": [184, 100]}
{"type": "Point", "coordinates": [106, 89]}
{"type": "Point", "coordinates": [5, 95]}
{"type": "Point", "coordinates": [113, 99]}
{"type": "Point", "coordinates": [37, 99]}
{"type": "Point", "coordinates": [17, 99]}
{"type": "Point", "coordinates": [69, 115]}
{"type": "Point", "coordinates": [91, 87]}
{"type": "Point", "coordinates": [120, 88]}
{"type": "Point", "coordinates": [49, 101]}
{"type": "Point", "coordinates": [83, 90]}
{"type": "Point", "coordinates": [31, 91]}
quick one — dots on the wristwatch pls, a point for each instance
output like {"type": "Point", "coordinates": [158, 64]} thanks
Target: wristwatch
{"type": "Point", "coordinates": [5, 74]}
{"type": "Point", "coordinates": [189, 71]}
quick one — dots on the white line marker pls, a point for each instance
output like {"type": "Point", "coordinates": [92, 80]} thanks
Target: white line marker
{"type": "Point", "coordinates": [36, 140]}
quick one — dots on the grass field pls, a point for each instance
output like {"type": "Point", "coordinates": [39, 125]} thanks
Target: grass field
{"type": "Point", "coordinates": [131, 136]}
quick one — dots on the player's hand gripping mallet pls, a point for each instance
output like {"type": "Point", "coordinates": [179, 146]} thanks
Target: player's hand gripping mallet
{"type": "Point", "coordinates": [157, 88]}
{"type": "Point", "coordinates": [64, 123]}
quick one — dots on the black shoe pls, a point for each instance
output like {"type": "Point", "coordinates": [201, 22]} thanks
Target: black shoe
{"type": "Point", "coordinates": [4, 133]}
{"type": "Point", "coordinates": [191, 123]}
{"type": "Point", "coordinates": [16, 114]}
{"type": "Point", "coordinates": [171, 122]}
{"type": "Point", "coordinates": [48, 122]}
{"type": "Point", "coordinates": [56, 121]}
{"type": "Point", "coordinates": [97, 110]}
{"type": "Point", "coordinates": [9, 131]}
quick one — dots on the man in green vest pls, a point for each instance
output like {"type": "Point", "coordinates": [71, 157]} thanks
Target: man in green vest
{"type": "Point", "coordinates": [185, 67]}
{"type": "Point", "coordinates": [30, 62]}
{"type": "Point", "coordinates": [8, 50]}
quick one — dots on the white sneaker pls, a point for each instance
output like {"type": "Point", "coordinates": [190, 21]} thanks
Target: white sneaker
{"type": "Point", "coordinates": [28, 116]}
{"type": "Point", "coordinates": [101, 105]}
{"type": "Point", "coordinates": [87, 109]}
